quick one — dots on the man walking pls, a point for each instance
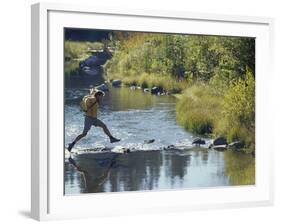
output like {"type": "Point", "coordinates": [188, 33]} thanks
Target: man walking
{"type": "Point", "coordinates": [91, 104]}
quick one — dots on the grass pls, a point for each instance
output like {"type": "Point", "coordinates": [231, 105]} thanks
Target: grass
{"type": "Point", "coordinates": [146, 80]}
{"type": "Point", "coordinates": [78, 49]}
{"type": "Point", "coordinates": [198, 109]}
{"type": "Point", "coordinates": [201, 111]}
{"type": "Point", "coordinates": [70, 67]}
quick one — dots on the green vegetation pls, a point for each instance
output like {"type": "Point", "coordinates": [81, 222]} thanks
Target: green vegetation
{"type": "Point", "coordinates": [146, 80]}
{"type": "Point", "coordinates": [198, 110]}
{"type": "Point", "coordinates": [70, 67]}
{"type": "Point", "coordinates": [238, 112]}
{"type": "Point", "coordinates": [215, 77]}
{"type": "Point", "coordinates": [78, 49]}
{"type": "Point", "coordinates": [144, 59]}
{"type": "Point", "coordinates": [232, 114]}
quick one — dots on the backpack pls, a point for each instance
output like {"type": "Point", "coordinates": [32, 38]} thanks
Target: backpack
{"type": "Point", "coordinates": [83, 104]}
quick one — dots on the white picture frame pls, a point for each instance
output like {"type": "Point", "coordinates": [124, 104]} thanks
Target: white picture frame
{"type": "Point", "coordinates": [48, 201]}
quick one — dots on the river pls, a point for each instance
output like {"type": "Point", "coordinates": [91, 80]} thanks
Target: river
{"type": "Point", "coordinates": [135, 117]}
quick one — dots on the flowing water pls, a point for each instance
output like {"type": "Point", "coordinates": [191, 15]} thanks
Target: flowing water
{"type": "Point", "coordinates": [135, 117]}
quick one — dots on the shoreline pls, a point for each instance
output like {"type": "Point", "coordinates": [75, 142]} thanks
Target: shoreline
{"type": "Point", "coordinates": [184, 97]}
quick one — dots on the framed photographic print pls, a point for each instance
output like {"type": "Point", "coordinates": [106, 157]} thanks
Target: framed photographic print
{"type": "Point", "coordinates": [162, 111]}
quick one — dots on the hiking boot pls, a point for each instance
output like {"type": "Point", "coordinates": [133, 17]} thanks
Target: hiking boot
{"type": "Point", "coordinates": [112, 140]}
{"type": "Point", "coordinates": [70, 146]}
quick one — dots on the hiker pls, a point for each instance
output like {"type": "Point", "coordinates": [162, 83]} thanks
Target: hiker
{"type": "Point", "coordinates": [89, 105]}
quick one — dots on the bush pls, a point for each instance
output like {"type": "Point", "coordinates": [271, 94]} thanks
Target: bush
{"type": "Point", "coordinates": [238, 110]}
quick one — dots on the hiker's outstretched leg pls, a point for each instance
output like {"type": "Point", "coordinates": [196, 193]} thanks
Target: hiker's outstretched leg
{"type": "Point", "coordinates": [105, 129]}
{"type": "Point", "coordinates": [79, 137]}
{"type": "Point", "coordinates": [70, 146]}
{"type": "Point", "coordinates": [102, 125]}
{"type": "Point", "coordinates": [87, 126]}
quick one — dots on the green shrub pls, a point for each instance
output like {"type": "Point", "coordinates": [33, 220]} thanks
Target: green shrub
{"type": "Point", "coordinates": [238, 111]}
{"type": "Point", "coordinates": [221, 99]}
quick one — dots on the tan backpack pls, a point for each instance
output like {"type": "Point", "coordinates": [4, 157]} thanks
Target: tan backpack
{"type": "Point", "coordinates": [83, 104]}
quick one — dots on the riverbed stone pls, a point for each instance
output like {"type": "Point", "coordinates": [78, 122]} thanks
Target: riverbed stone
{"type": "Point", "coordinates": [219, 141]}
{"type": "Point", "coordinates": [92, 71]}
{"type": "Point", "coordinates": [236, 145]}
{"type": "Point", "coordinates": [116, 83]}
{"type": "Point", "coordinates": [220, 148]}
{"type": "Point", "coordinates": [102, 87]}
{"type": "Point", "coordinates": [146, 90]}
{"type": "Point", "coordinates": [198, 141]}
{"type": "Point", "coordinates": [156, 90]}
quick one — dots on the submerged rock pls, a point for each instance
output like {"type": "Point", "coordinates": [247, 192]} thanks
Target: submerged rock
{"type": "Point", "coordinates": [169, 147]}
{"type": "Point", "coordinates": [146, 90]}
{"type": "Point", "coordinates": [116, 83]}
{"type": "Point", "coordinates": [219, 141]}
{"type": "Point", "coordinates": [127, 151]}
{"type": "Point", "coordinates": [92, 71]}
{"type": "Point", "coordinates": [156, 90]}
{"type": "Point", "coordinates": [219, 144]}
{"type": "Point", "coordinates": [220, 148]}
{"type": "Point", "coordinates": [149, 141]}
{"type": "Point", "coordinates": [102, 87]}
{"type": "Point", "coordinates": [97, 59]}
{"type": "Point", "coordinates": [236, 145]}
{"type": "Point", "coordinates": [198, 141]}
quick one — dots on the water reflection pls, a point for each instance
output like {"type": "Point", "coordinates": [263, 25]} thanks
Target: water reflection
{"type": "Point", "coordinates": [242, 172]}
{"type": "Point", "coordinates": [76, 78]}
{"type": "Point", "coordinates": [149, 170]}
{"type": "Point", "coordinates": [119, 99]}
